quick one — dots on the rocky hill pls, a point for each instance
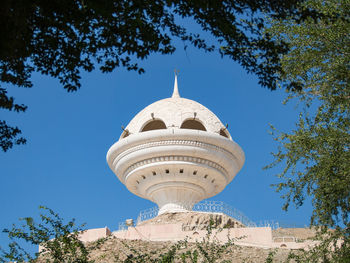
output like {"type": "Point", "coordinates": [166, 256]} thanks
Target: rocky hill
{"type": "Point", "coordinates": [116, 250]}
{"type": "Point", "coordinates": [195, 220]}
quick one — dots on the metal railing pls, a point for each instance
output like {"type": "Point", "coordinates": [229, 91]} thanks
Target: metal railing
{"type": "Point", "coordinates": [147, 214]}
{"type": "Point", "coordinates": [221, 207]}
{"type": "Point", "coordinates": [214, 207]}
{"type": "Point", "coordinates": [285, 239]}
{"type": "Point", "coordinates": [204, 206]}
{"type": "Point", "coordinates": [268, 223]}
{"type": "Point", "coordinates": [279, 224]}
{"type": "Point", "coordinates": [122, 226]}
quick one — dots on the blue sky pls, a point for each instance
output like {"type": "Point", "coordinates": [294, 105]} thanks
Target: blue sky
{"type": "Point", "coordinates": [63, 165]}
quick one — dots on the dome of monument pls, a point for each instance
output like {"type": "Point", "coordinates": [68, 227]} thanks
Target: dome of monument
{"type": "Point", "coordinates": [175, 112]}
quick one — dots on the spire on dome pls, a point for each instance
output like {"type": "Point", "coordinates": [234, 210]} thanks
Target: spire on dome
{"type": "Point", "coordinates": [176, 90]}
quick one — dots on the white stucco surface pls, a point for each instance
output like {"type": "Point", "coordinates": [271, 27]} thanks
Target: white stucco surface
{"type": "Point", "coordinates": [173, 112]}
{"type": "Point", "coordinates": [172, 164]}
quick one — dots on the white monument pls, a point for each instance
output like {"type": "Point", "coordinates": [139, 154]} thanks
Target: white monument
{"type": "Point", "coordinates": [175, 152]}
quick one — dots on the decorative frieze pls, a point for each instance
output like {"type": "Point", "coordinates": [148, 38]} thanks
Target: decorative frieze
{"type": "Point", "coordinates": [194, 160]}
{"type": "Point", "coordinates": [172, 142]}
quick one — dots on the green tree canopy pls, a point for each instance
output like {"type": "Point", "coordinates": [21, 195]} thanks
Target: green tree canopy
{"type": "Point", "coordinates": [316, 154]}
{"type": "Point", "coordinates": [61, 38]}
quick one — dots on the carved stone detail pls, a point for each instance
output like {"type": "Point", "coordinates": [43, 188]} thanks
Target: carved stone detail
{"type": "Point", "coordinates": [194, 160]}
{"type": "Point", "coordinates": [172, 142]}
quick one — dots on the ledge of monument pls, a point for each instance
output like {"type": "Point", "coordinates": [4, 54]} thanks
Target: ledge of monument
{"type": "Point", "coordinates": [194, 220]}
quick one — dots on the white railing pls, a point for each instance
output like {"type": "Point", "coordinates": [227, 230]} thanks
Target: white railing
{"type": "Point", "coordinates": [204, 206]}
{"type": "Point", "coordinates": [285, 239]}
{"type": "Point", "coordinates": [122, 226]}
{"type": "Point", "coordinates": [268, 223]}
{"type": "Point", "coordinates": [279, 224]}
{"type": "Point", "coordinates": [221, 207]}
{"type": "Point", "coordinates": [147, 214]}
{"type": "Point", "coordinates": [216, 207]}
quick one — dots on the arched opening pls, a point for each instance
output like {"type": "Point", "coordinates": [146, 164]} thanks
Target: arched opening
{"type": "Point", "coordinates": [154, 125]}
{"type": "Point", "coordinates": [193, 125]}
{"type": "Point", "coordinates": [224, 133]}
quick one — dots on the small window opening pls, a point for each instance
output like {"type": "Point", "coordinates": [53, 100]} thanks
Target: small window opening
{"type": "Point", "coordinates": [181, 171]}
{"type": "Point", "coordinates": [154, 125]}
{"type": "Point", "coordinates": [167, 171]}
{"type": "Point", "coordinates": [194, 172]}
{"type": "Point", "coordinates": [205, 176]}
{"type": "Point", "coordinates": [154, 173]}
{"type": "Point", "coordinates": [143, 177]}
{"type": "Point", "coordinates": [224, 133]}
{"type": "Point", "coordinates": [193, 125]}
{"type": "Point", "coordinates": [213, 181]}
{"type": "Point", "coordinates": [137, 182]}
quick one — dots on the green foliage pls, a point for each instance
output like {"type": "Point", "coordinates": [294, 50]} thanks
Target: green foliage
{"type": "Point", "coordinates": [137, 256]}
{"type": "Point", "coordinates": [270, 256]}
{"type": "Point", "coordinates": [58, 240]}
{"type": "Point", "coordinates": [62, 38]}
{"type": "Point", "coordinates": [209, 248]}
{"type": "Point", "coordinates": [333, 248]}
{"type": "Point", "coordinates": [8, 136]}
{"type": "Point", "coordinates": [316, 154]}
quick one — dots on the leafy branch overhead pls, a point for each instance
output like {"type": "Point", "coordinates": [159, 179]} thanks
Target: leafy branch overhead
{"type": "Point", "coordinates": [316, 154]}
{"type": "Point", "coordinates": [63, 38]}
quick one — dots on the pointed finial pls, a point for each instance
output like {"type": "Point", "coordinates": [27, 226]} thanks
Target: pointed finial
{"type": "Point", "coordinates": [176, 90]}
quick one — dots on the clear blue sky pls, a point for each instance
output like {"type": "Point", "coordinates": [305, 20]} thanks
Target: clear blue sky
{"type": "Point", "coordinates": [63, 165]}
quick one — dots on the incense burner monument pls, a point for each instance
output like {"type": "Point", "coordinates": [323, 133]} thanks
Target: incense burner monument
{"type": "Point", "coordinates": [175, 153]}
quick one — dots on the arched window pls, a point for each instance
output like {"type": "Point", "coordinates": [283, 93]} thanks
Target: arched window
{"type": "Point", "coordinates": [193, 125]}
{"type": "Point", "coordinates": [154, 125]}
